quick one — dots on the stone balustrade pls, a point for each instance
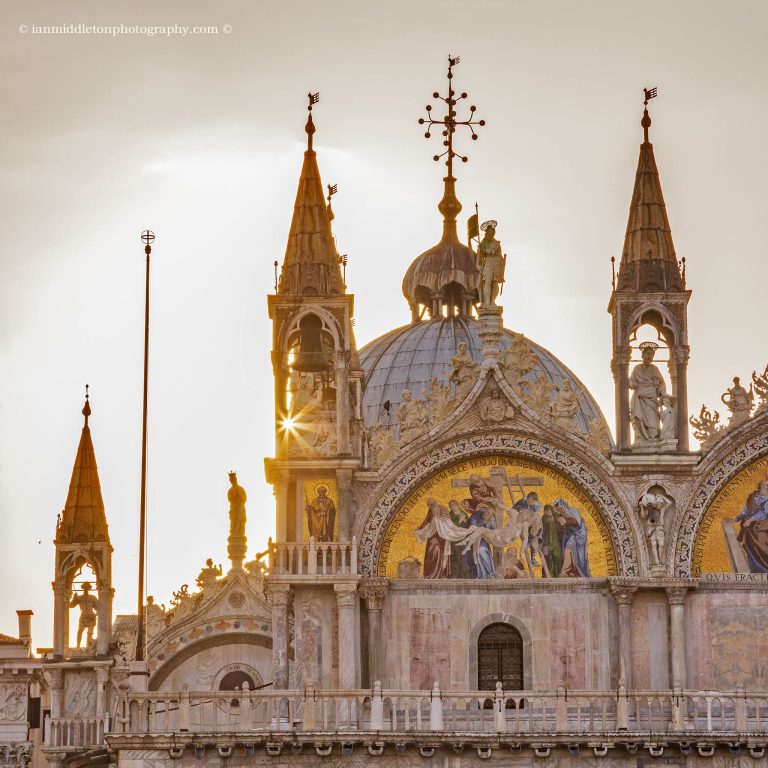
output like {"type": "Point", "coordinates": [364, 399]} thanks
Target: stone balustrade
{"type": "Point", "coordinates": [324, 558]}
{"type": "Point", "coordinates": [525, 714]}
{"type": "Point", "coordinates": [75, 732]}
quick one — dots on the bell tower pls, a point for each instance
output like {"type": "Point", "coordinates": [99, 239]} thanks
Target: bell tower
{"type": "Point", "coordinates": [82, 539]}
{"type": "Point", "coordinates": [318, 379]}
{"type": "Point", "coordinates": [649, 296]}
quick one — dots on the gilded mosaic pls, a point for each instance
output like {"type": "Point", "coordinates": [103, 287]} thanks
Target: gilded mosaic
{"type": "Point", "coordinates": [497, 518]}
{"type": "Point", "coordinates": [733, 535]}
{"type": "Point", "coordinates": [321, 520]}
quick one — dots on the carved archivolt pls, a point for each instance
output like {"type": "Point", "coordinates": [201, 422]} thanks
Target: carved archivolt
{"type": "Point", "coordinates": [618, 520]}
{"type": "Point", "coordinates": [687, 524]}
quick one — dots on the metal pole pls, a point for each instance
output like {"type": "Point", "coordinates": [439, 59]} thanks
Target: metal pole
{"type": "Point", "coordinates": [147, 237]}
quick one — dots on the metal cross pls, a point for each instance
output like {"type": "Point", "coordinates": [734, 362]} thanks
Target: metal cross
{"type": "Point", "coordinates": [449, 122]}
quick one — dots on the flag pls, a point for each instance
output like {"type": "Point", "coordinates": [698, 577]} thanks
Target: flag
{"type": "Point", "coordinates": [473, 230]}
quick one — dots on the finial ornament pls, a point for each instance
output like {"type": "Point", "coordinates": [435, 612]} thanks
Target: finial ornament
{"type": "Point", "coordinates": [650, 93]}
{"type": "Point", "coordinates": [312, 98]}
{"type": "Point", "coordinates": [449, 121]}
{"type": "Point", "coordinates": [87, 407]}
{"type": "Point", "coordinates": [147, 237]}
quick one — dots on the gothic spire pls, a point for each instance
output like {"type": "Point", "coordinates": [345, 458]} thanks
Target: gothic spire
{"type": "Point", "coordinates": [311, 264]}
{"type": "Point", "coordinates": [648, 260]}
{"type": "Point", "coordinates": [83, 517]}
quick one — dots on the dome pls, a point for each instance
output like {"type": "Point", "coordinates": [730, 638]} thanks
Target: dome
{"type": "Point", "coordinates": [411, 356]}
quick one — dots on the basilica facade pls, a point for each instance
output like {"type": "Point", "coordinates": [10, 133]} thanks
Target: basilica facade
{"type": "Point", "coordinates": [471, 565]}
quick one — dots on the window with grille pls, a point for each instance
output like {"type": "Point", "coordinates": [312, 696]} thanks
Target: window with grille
{"type": "Point", "coordinates": [500, 658]}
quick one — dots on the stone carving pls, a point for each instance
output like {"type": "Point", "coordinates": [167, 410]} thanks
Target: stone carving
{"type": "Point", "coordinates": [538, 393]}
{"type": "Point", "coordinates": [490, 264]}
{"type": "Point", "coordinates": [183, 603]}
{"type": "Point", "coordinates": [653, 508]}
{"type": "Point", "coordinates": [124, 638]}
{"type": "Point", "coordinates": [739, 402]}
{"type": "Point", "coordinates": [413, 418]}
{"type": "Point", "coordinates": [237, 498]}
{"type": "Point", "coordinates": [707, 428]}
{"type": "Point", "coordinates": [647, 385]}
{"type": "Point", "coordinates": [382, 442]}
{"type": "Point", "coordinates": [13, 701]}
{"type": "Point", "coordinates": [494, 408]}
{"type": "Point", "coordinates": [155, 617]}
{"type": "Point", "coordinates": [564, 407]}
{"type": "Point", "coordinates": [464, 372]}
{"type": "Point", "coordinates": [760, 386]}
{"type": "Point", "coordinates": [321, 515]}
{"type": "Point", "coordinates": [89, 608]}
{"type": "Point", "coordinates": [15, 755]}
{"type": "Point", "coordinates": [517, 361]}
{"type": "Point", "coordinates": [314, 413]}
{"type": "Point", "coordinates": [598, 436]}
{"type": "Point", "coordinates": [441, 400]}
{"type": "Point", "coordinates": [668, 418]}
{"type": "Point", "coordinates": [208, 577]}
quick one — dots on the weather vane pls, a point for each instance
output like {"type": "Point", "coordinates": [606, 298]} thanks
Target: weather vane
{"type": "Point", "coordinates": [312, 98]}
{"type": "Point", "coordinates": [449, 122]}
{"type": "Point", "coordinates": [650, 93]}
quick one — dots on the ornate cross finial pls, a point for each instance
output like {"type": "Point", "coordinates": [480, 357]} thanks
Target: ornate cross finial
{"type": "Point", "coordinates": [449, 122]}
{"type": "Point", "coordinates": [87, 407]}
{"type": "Point", "coordinates": [313, 98]}
{"type": "Point", "coordinates": [650, 93]}
{"type": "Point", "coordinates": [147, 237]}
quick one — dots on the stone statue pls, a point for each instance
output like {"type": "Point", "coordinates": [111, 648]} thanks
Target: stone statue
{"type": "Point", "coordinates": [321, 515]}
{"type": "Point", "coordinates": [413, 418]}
{"type": "Point", "coordinates": [236, 497]}
{"type": "Point", "coordinates": [209, 575]}
{"type": "Point", "coordinates": [668, 418]}
{"type": "Point", "coordinates": [89, 608]}
{"type": "Point", "coordinates": [648, 388]}
{"type": "Point", "coordinates": [155, 616]}
{"type": "Point", "coordinates": [517, 360]}
{"type": "Point", "coordinates": [653, 507]}
{"type": "Point", "coordinates": [739, 403]}
{"type": "Point", "coordinates": [494, 408]}
{"type": "Point", "coordinates": [564, 407]}
{"type": "Point", "coordinates": [490, 263]}
{"type": "Point", "coordinates": [465, 371]}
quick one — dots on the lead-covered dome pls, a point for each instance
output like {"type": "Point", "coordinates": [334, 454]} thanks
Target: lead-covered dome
{"type": "Point", "coordinates": [411, 356]}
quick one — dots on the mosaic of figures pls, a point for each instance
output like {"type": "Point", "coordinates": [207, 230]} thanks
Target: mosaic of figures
{"type": "Point", "coordinates": [495, 518]}
{"type": "Point", "coordinates": [742, 403]}
{"type": "Point", "coordinates": [320, 501]}
{"type": "Point", "coordinates": [733, 535]}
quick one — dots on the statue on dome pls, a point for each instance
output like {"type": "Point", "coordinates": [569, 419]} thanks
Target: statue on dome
{"type": "Point", "coordinates": [237, 498]}
{"type": "Point", "coordinates": [413, 417]}
{"type": "Point", "coordinates": [739, 402]}
{"type": "Point", "coordinates": [564, 407]}
{"type": "Point", "coordinates": [647, 385]}
{"type": "Point", "coordinates": [465, 371]}
{"type": "Point", "coordinates": [490, 263]}
{"type": "Point", "coordinates": [89, 608]}
{"type": "Point", "coordinates": [208, 575]}
{"type": "Point", "coordinates": [494, 409]}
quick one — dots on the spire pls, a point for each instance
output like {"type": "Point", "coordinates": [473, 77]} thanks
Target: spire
{"type": "Point", "coordinates": [311, 264]}
{"type": "Point", "coordinates": [83, 517]}
{"type": "Point", "coordinates": [648, 260]}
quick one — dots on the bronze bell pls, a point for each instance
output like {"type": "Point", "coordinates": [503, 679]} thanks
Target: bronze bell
{"type": "Point", "coordinates": [311, 358]}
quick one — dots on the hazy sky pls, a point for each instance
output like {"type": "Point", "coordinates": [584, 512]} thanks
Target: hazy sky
{"type": "Point", "coordinates": [200, 138]}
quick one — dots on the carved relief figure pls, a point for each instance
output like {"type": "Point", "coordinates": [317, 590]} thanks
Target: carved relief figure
{"type": "Point", "coordinates": [413, 418]}
{"type": "Point", "coordinates": [653, 508]}
{"type": "Point", "coordinates": [208, 576]}
{"type": "Point", "coordinates": [648, 388]}
{"type": "Point", "coordinates": [668, 418]}
{"type": "Point", "coordinates": [321, 515]}
{"type": "Point", "coordinates": [564, 408]}
{"type": "Point", "coordinates": [517, 360]}
{"type": "Point", "coordinates": [13, 702]}
{"type": "Point", "coordinates": [154, 615]}
{"type": "Point", "coordinates": [753, 531]}
{"type": "Point", "coordinates": [237, 498]}
{"type": "Point", "coordinates": [739, 402]}
{"type": "Point", "coordinates": [490, 263]}
{"type": "Point", "coordinates": [89, 607]}
{"type": "Point", "coordinates": [494, 408]}
{"type": "Point", "coordinates": [465, 371]}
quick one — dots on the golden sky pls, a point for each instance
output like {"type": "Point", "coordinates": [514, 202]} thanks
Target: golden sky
{"type": "Point", "coordinates": [199, 137]}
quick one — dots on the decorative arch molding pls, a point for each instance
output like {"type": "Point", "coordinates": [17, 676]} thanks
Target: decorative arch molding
{"type": "Point", "coordinates": [330, 323]}
{"type": "Point", "coordinates": [623, 536]}
{"type": "Point", "coordinates": [216, 641]}
{"type": "Point", "coordinates": [474, 637]}
{"type": "Point", "coordinates": [712, 482]}
{"type": "Point", "coordinates": [670, 321]}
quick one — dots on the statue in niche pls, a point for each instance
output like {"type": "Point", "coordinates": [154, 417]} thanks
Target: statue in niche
{"type": "Point", "coordinates": [739, 402]}
{"type": "Point", "coordinates": [648, 388]}
{"type": "Point", "coordinates": [237, 498]}
{"type": "Point", "coordinates": [321, 515]}
{"type": "Point", "coordinates": [668, 418]}
{"type": "Point", "coordinates": [494, 409]}
{"type": "Point", "coordinates": [564, 407]}
{"type": "Point", "coordinates": [209, 575]}
{"type": "Point", "coordinates": [465, 371]}
{"type": "Point", "coordinates": [653, 507]}
{"type": "Point", "coordinates": [89, 608]}
{"type": "Point", "coordinates": [490, 264]}
{"type": "Point", "coordinates": [413, 418]}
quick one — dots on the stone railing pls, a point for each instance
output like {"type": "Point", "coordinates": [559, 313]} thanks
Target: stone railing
{"type": "Point", "coordinates": [75, 732]}
{"type": "Point", "coordinates": [525, 714]}
{"type": "Point", "coordinates": [331, 558]}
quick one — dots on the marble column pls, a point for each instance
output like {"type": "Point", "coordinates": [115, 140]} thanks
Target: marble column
{"type": "Point", "coordinates": [342, 403]}
{"type": "Point", "coordinates": [279, 595]}
{"type": "Point", "coordinates": [676, 597]}
{"type": "Point", "coordinates": [681, 405]}
{"type": "Point", "coordinates": [60, 616]}
{"type": "Point", "coordinates": [620, 367]}
{"type": "Point", "coordinates": [346, 600]}
{"type": "Point", "coordinates": [102, 676]}
{"type": "Point", "coordinates": [281, 505]}
{"type": "Point", "coordinates": [104, 621]}
{"type": "Point", "coordinates": [55, 678]}
{"type": "Point", "coordinates": [373, 591]}
{"type": "Point", "coordinates": [344, 483]}
{"type": "Point", "coordinates": [623, 596]}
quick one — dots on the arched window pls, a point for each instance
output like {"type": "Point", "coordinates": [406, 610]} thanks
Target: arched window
{"type": "Point", "coordinates": [500, 658]}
